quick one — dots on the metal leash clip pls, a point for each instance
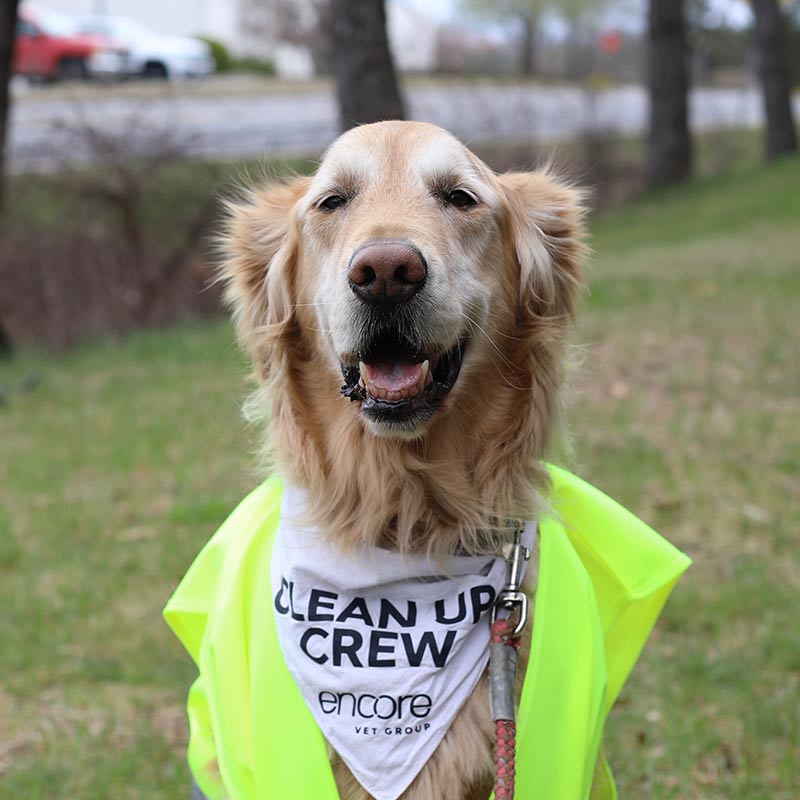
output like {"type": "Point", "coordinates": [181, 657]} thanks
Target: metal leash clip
{"type": "Point", "coordinates": [511, 597]}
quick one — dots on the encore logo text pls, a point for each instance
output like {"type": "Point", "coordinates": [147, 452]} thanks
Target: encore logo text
{"type": "Point", "coordinates": [405, 708]}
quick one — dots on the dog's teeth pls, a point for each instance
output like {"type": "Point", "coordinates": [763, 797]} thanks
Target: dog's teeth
{"type": "Point", "coordinates": [413, 391]}
{"type": "Point", "coordinates": [362, 369]}
{"type": "Point", "coordinates": [423, 378]}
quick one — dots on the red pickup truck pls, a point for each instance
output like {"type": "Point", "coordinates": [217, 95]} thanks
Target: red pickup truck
{"type": "Point", "coordinates": [50, 46]}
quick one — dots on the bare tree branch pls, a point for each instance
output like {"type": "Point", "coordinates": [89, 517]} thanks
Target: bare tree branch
{"type": "Point", "coordinates": [773, 71]}
{"type": "Point", "coordinates": [8, 28]}
{"type": "Point", "coordinates": [366, 83]}
{"type": "Point", "coordinates": [669, 151]}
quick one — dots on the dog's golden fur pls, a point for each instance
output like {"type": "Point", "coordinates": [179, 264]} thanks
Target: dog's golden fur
{"type": "Point", "coordinates": [479, 459]}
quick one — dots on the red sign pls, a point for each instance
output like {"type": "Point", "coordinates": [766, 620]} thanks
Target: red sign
{"type": "Point", "coordinates": [611, 42]}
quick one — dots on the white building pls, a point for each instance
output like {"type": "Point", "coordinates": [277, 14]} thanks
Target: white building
{"type": "Point", "coordinates": [413, 37]}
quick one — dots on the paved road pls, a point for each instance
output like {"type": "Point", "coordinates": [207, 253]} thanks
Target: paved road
{"type": "Point", "coordinates": [42, 132]}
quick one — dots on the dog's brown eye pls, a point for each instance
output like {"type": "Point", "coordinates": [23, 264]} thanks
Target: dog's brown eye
{"type": "Point", "coordinates": [460, 199]}
{"type": "Point", "coordinates": [331, 202]}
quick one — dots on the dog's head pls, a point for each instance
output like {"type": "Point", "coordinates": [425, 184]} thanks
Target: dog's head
{"type": "Point", "coordinates": [409, 272]}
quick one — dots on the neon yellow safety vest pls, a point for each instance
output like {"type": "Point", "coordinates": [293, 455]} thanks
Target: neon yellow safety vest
{"type": "Point", "coordinates": [603, 578]}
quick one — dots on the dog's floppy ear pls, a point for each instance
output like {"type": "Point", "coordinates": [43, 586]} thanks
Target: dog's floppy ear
{"type": "Point", "coordinates": [259, 244]}
{"type": "Point", "coordinates": [546, 219]}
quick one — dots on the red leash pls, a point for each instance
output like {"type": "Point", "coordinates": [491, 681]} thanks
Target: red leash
{"type": "Point", "coordinates": [504, 642]}
{"type": "Point", "coordinates": [505, 744]}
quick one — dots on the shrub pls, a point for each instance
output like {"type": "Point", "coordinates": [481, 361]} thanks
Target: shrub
{"type": "Point", "coordinates": [222, 57]}
{"type": "Point", "coordinates": [105, 248]}
{"type": "Point", "coordinates": [260, 66]}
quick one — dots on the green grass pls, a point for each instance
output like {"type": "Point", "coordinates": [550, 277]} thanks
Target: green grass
{"type": "Point", "coordinates": [124, 458]}
{"type": "Point", "coordinates": [688, 411]}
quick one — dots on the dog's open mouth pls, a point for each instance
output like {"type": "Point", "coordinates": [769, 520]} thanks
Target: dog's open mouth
{"type": "Point", "coordinates": [397, 383]}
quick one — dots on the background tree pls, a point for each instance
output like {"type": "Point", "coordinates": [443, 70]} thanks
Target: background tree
{"type": "Point", "coordinates": [8, 27]}
{"type": "Point", "coordinates": [527, 13]}
{"type": "Point", "coordinates": [770, 30]}
{"type": "Point", "coordinates": [301, 23]}
{"type": "Point", "coordinates": [583, 20]}
{"type": "Point", "coordinates": [669, 149]}
{"type": "Point", "coordinates": [309, 29]}
{"type": "Point", "coordinates": [361, 62]}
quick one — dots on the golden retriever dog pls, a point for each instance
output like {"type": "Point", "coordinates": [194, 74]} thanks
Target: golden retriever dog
{"type": "Point", "coordinates": [406, 311]}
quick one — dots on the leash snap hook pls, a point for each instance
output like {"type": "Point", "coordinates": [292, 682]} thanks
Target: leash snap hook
{"type": "Point", "coordinates": [504, 643]}
{"type": "Point", "coordinates": [510, 597]}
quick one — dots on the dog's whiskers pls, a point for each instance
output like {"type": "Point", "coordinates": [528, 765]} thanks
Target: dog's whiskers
{"type": "Point", "coordinates": [499, 352]}
{"type": "Point", "coordinates": [508, 336]}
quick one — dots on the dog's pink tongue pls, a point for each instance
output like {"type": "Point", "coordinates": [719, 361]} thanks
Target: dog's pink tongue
{"type": "Point", "coordinates": [393, 376]}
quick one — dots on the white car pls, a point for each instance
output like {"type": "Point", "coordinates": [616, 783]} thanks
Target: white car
{"type": "Point", "coordinates": [151, 54]}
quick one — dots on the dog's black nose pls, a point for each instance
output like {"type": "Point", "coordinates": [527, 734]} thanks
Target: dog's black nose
{"type": "Point", "coordinates": [387, 273]}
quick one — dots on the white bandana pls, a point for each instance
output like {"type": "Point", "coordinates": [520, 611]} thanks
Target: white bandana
{"type": "Point", "coordinates": [384, 648]}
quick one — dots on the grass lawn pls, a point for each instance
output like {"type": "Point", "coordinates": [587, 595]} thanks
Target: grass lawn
{"type": "Point", "coordinates": [124, 458]}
